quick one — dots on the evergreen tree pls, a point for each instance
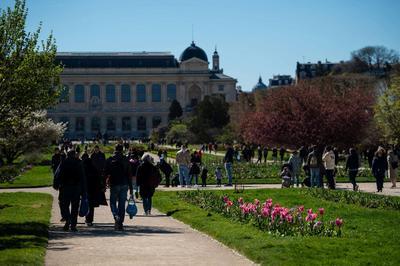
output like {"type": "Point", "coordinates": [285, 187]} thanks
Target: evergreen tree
{"type": "Point", "coordinates": [175, 110]}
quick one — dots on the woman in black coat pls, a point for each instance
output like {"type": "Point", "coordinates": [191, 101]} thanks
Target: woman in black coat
{"type": "Point", "coordinates": [379, 167]}
{"type": "Point", "coordinates": [148, 178]}
{"type": "Point", "coordinates": [95, 188]}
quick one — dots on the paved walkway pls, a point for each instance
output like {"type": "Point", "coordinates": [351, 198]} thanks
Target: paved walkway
{"type": "Point", "coordinates": [147, 240]}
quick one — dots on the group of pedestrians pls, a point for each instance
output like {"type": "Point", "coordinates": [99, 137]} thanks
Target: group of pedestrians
{"type": "Point", "coordinates": [190, 167]}
{"type": "Point", "coordinates": [317, 165]}
{"type": "Point", "coordinates": [86, 177]}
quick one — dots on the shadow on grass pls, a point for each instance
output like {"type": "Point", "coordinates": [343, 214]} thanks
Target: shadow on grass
{"type": "Point", "coordinates": [23, 235]}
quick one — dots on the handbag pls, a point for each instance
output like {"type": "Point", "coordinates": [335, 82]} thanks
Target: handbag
{"type": "Point", "coordinates": [84, 207]}
{"type": "Point", "coordinates": [131, 209]}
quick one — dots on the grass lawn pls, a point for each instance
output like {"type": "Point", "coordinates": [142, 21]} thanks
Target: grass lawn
{"type": "Point", "coordinates": [38, 176]}
{"type": "Point", "coordinates": [24, 222]}
{"type": "Point", "coordinates": [370, 236]}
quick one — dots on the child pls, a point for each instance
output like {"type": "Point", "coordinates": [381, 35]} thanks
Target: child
{"type": "Point", "coordinates": [286, 177]}
{"type": "Point", "coordinates": [204, 172]}
{"type": "Point", "coordinates": [175, 181]}
{"type": "Point", "coordinates": [218, 176]}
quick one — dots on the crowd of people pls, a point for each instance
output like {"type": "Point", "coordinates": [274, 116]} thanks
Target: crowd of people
{"type": "Point", "coordinates": [86, 176]}
{"type": "Point", "coordinates": [317, 165]}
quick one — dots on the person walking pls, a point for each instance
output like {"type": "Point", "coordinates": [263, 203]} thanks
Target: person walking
{"type": "Point", "coordinates": [148, 178]}
{"type": "Point", "coordinates": [218, 175]}
{"type": "Point", "coordinates": [274, 154]}
{"type": "Point", "coordinates": [95, 188]}
{"type": "Point", "coordinates": [282, 152]}
{"type": "Point", "coordinates": [71, 183]}
{"type": "Point", "coordinates": [194, 171]}
{"type": "Point", "coordinates": [265, 154]}
{"type": "Point", "coordinates": [259, 154]}
{"type": "Point", "coordinates": [183, 161]}
{"type": "Point", "coordinates": [314, 167]}
{"type": "Point", "coordinates": [379, 167]}
{"type": "Point", "coordinates": [118, 174]}
{"type": "Point", "coordinates": [295, 163]}
{"type": "Point", "coordinates": [329, 162]}
{"type": "Point", "coordinates": [352, 165]}
{"type": "Point", "coordinates": [393, 164]}
{"type": "Point", "coordinates": [228, 161]}
{"type": "Point", "coordinates": [55, 159]}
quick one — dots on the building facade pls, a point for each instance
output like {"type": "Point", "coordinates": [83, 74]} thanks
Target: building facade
{"type": "Point", "coordinates": [280, 80]}
{"type": "Point", "coordinates": [313, 70]}
{"type": "Point", "coordinates": [129, 94]}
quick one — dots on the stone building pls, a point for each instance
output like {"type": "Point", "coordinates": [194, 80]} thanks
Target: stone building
{"type": "Point", "coordinates": [129, 93]}
{"type": "Point", "coordinates": [280, 80]}
{"type": "Point", "coordinates": [312, 70]}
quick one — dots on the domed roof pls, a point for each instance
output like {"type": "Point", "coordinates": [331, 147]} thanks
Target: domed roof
{"type": "Point", "coordinates": [193, 51]}
{"type": "Point", "coordinates": [260, 85]}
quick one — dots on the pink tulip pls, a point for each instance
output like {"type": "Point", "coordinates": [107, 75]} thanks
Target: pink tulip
{"type": "Point", "coordinates": [240, 200]}
{"type": "Point", "coordinates": [309, 211]}
{"type": "Point", "coordinates": [339, 222]}
{"type": "Point", "coordinates": [321, 211]}
{"type": "Point", "coordinates": [301, 208]}
{"type": "Point", "coordinates": [226, 199]}
{"type": "Point", "coordinates": [229, 203]}
{"type": "Point", "coordinates": [256, 202]}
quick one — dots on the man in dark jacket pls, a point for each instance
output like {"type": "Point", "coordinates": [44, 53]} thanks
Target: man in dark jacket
{"type": "Point", "coordinates": [71, 182]}
{"type": "Point", "coordinates": [55, 159]}
{"type": "Point", "coordinates": [119, 179]}
{"type": "Point", "coordinates": [313, 163]}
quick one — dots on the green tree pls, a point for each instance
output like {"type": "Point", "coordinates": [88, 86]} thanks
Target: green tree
{"type": "Point", "coordinates": [29, 75]}
{"type": "Point", "coordinates": [175, 110]}
{"type": "Point", "coordinates": [387, 111]}
{"type": "Point", "coordinates": [178, 133]}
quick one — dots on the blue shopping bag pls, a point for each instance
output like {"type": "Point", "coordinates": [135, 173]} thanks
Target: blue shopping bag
{"type": "Point", "coordinates": [131, 209]}
{"type": "Point", "coordinates": [84, 207]}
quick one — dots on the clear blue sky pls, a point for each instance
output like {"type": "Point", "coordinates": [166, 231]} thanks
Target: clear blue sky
{"type": "Point", "coordinates": [253, 37]}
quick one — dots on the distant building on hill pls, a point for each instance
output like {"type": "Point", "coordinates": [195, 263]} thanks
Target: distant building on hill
{"type": "Point", "coordinates": [280, 80]}
{"type": "Point", "coordinates": [313, 70]}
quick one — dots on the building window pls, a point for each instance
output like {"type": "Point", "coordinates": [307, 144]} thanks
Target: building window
{"type": "Point", "coordinates": [126, 123]}
{"type": "Point", "coordinates": [95, 91]}
{"type": "Point", "coordinates": [220, 87]}
{"type": "Point", "coordinates": [125, 93]}
{"type": "Point", "coordinates": [156, 121]}
{"type": "Point", "coordinates": [79, 94]}
{"type": "Point", "coordinates": [80, 124]}
{"type": "Point", "coordinates": [141, 123]}
{"type": "Point", "coordinates": [65, 120]}
{"type": "Point", "coordinates": [111, 123]}
{"type": "Point", "coordinates": [95, 125]}
{"type": "Point", "coordinates": [141, 93]}
{"type": "Point", "coordinates": [156, 93]}
{"type": "Point", "coordinates": [110, 93]}
{"type": "Point", "coordinates": [171, 92]}
{"type": "Point", "coordinates": [64, 96]}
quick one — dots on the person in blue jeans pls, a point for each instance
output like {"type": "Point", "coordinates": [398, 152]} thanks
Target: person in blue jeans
{"type": "Point", "coordinates": [313, 163]}
{"type": "Point", "coordinates": [183, 161]}
{"type": "Point", "coordinates": [228, 160]}
{"type": "Point", "coordinates": [119, 179]}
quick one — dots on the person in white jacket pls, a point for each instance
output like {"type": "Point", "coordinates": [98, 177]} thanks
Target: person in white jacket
{"type": "Point", "coordinates": [329, 162]}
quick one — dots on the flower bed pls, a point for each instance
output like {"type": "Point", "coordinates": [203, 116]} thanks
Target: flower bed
{"type": "Point", "coordinates": [359, 198]}
{"type": "Point", "coordinates": [267, 216]}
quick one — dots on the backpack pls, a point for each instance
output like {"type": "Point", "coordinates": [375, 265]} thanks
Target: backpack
{"type": "Point", "coordinates": [313, 160]}
{"type": "Point", "coordinates": [155, 178]}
